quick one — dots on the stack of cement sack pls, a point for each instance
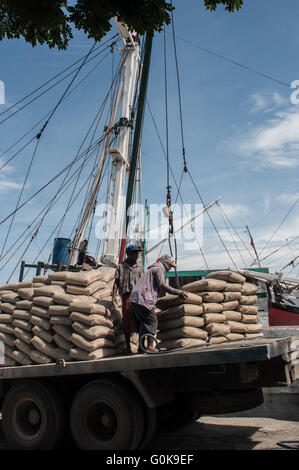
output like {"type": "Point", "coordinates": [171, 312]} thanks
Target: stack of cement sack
{"type": "Point", "coordinates": [225, 309]}
{"type": "Point", "coordinates": [64, 315]}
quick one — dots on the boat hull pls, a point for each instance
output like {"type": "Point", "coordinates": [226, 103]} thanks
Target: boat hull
{"type": "Point", "coordinates": [279, 316]}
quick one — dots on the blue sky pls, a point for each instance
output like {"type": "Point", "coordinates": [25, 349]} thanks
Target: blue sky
{"type": "Point", "coordinates": [241, 130]}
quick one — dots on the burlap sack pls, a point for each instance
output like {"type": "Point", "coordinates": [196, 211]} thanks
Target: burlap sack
{"type": "Point", "coordinates": [249, 289]}
{"type": "Point", "coordinates": [182, 332]}
{"type": "Point", "coordinates": [253, 335]}
{"type": "Point", "coordinates": [229, 276]}
{"type": "Point", "coordinates": [217, 328]}
{"type": "Point", "coordinates": [213, 307]}
{"type": "Point", "coordinates": [182, 343]}
{"type": "Point", "coordinates": [89, 290]}
{"type": "Point", "coordinates": [171, 300]}
{"type": "Point", "coordinates": [93, 332]}
{"type": "Point", "coordinates": [62, 342]}
{"type": "Point", "coordinates": [60, 320]}
{"type": "Point", "coordinates": [5, 318]}
{"type": "Point", "coordinates": [211, 285]}
{"type": "Point", "coordinates": [40, 358]}
{"type": "Point", "coordinates": [22, 358]}
{"type": "Point", "coordinates": [47, 336]}
{"type": "Point", "coordinates": [232, 315]}
{"type": "Point", "coordinates": [23, 334]}
{"type": "Point", "coordinates": [39, 311]}
{"type": "Point", "coordinates": [23, 324]}
{"type": "Point", "coordinates": [236, 327]}
{"type": "Point", "coordinates": [84, 278]}
{"type": "Point", "coordinates": [248, 300]}
{"type": "Point", "coordinates": [216, 297]}
{"type": "Point", "coordinates": [43, 301]}
{"type": "Point", "coordinates": [88, 345]}
{"type": "Point", "coordinates": [90, 308]}
{"type": "Point", "coordinates": [7, 338]}
{"type": "Point", "coordinates": [231, 287]}
{"type": "Point", "coordinates": [42, 322]}
{"type": "Point", "coordinates": [12, 297]}
{"type": "Point", "coordinates": [218, 340]}
{"type": "Point", "coordinates": [7, 308]}
{"type": "Point", "coordinates": [64, 331]}
{"type": "Point", "coordinates": [186, 320]}
{"type": "Point", "coordinates": [248, 309]}
{"type": "Point", "coordinates": [81, 355]}
{"type": "Point", "coordinates": [230, 296]}
{"type": "Point", "coordinates": [250, 319]}
{"type": "Point", "coordinates": [24, 315]}
{"type": "Point", "coordinates": [178, 311]}
{"type": "Point", "coordinates": [233, 305]}
{"type": "Point", "coordinates": [49, 349]}
{"type": "Point", "coordinates": [23, 346]}
{"type": "Point", "coordinates": [24, 304]}
{"type": "Point", "coordinates": [26, 293]}
{"type": "Point", "coordinates": [58, 310]}
{"type": "Point", "coordinates": [48, 291]}
{"type": "Point", "coordinates": [214, 318]}
{"type": "Point", "coordinates": [6, 328]}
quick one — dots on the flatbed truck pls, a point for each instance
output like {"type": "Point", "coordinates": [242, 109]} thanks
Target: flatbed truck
{"type": "Point", "coordinates": [118, 403]}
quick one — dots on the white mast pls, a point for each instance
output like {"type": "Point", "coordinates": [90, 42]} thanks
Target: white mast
{"type": "Point", "coordinates": [119, 154]}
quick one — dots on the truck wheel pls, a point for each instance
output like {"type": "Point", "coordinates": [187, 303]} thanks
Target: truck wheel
{"type": "Point", "coordinates": [106, 415]}
{"type": "Point", "coordinates": [150, 426]}
{"type": "Point", "coordinates": [175, 415]}
{"type": "Point", "coordinates": [33, 416]}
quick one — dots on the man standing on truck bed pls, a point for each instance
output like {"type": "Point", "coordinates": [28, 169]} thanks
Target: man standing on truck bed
{"type": "Point", "coordinates": [127, 274]}
{"type": "Point", "coordinates": [144, 296]}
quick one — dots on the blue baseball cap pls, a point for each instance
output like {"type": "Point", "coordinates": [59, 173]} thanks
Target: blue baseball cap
{"type": "Point", "coordinates": [131, 248]}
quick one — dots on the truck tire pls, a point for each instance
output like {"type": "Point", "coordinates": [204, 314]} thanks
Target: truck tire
{"type": "Point", "coordinates": [106, 415]}
{"type": "Point", "coordinates": [150, 426]}
{"type": "Point", "coordinates": [33, 416]}
{"type": "Point", "coordinates": [176, 415]}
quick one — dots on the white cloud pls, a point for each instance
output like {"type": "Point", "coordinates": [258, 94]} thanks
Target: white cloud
{"type": "Point", "coordinates": [265, 102]}
{"type": "Point", "coordinates": [288, 198]}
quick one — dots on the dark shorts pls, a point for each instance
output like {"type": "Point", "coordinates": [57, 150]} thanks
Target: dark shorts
{"type": "Point", "coordinates": [147, 321]}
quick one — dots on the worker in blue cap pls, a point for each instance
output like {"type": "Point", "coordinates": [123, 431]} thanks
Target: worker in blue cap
{"type": "Point", "coordinates": [127, 274]}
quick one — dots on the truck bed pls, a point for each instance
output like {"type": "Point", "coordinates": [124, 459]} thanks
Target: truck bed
{"type": "Point", "coordinates": [245, 351]}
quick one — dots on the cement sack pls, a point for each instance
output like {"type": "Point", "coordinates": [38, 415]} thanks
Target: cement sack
{"type": "Point", "coordinates": [17, 285]}
{"type": "Point", "coordinates": [211, 285]}
{"type": "Point", "coordinates": [90, 308]}
{"type": "Point", "coordinates": [212, 307]}
{"type": "Point", "coordinates": [24, 325]}
{"type": "Point", "coordinates": [48, 291]}
{"type": "Point", "coordinates": [88, 345]}
{"type": "Point", "coordinates": [214, 318]}
{"type": "Point", "coordinates": [233, 305]}
{"type": "Point", "coordinates": [231, 287]}
{"type": "Point", "coordinates": [182, 343]}
{"type": "Point", "coordinates": [12, 297]}
{"type": "Point", "coordinates": [108, 274]}
{"type": "Point", "coordinates": [60, 320]}
{"type": "Point", "coordinates": [248, 309]}
{"type": "Point", "coordinates": [24, 304]}
{"type": "Point", "coordinates": [24, 315]}
{"type": "Point", "coordinates": [248, 300]}
{"type": "Point", "coordinates": [38, 284]}
{"type": "Point", "coordinates": [58, 276]}
{"type": "Point", "coordinates": [250, 319]}
{"type": "Point", "coordinates": [7, 338]}
{"type": "Point", "coordinates": [235, 336]}
{"type": "Point", "coordinates": [215, 297]}
{"type": "Point", "coordinates": [23, 334]}
{"type": "Point", "coordinates": [23, 346]}
{"type": "Point", "coordinates": [6, 328]}
{"type": "Point", "coordinates": [91, 320]}
{"type": "Point", "coordinates": [116, 318]}
{"type": "Point", "coordinates": [218, 340]}
{"type": "Point", "coordinates": [7, 308]}
{"type": "Point", "coordinates": [217, 328]}
{"type": "Point", "coordinates": [57, 283]}
{"type": "Point", "coordinates": [40, 358]}
{"type": "Point", "coordinates": [186, 320]}
{"type": "Point", "coordinates": [62, 342]}
{"type": "Point", "coordinates": [178, 311]}
{"type": "Point", "coordinates": [26, 293]}
{"type": "Point", "coordinates": [84, 278]}
{"type": "Point", "coordinates": [171, 300]}
{"type": "Point", "coordinates": [49, 349]}
{"type": "Point", "coordinates": [229, 276]}
{"type": "Point", "coordinates": [232, 315]}
{"type": "Point", "coordinates": [5, 318]}
{"type": "Point", "coordinates": [4, 292]}
{"type": "Point", "coordinates": [230, 296]}
{"type": "Point", "coordinates": [102, 294]}
{"type": "Point", "coordinates": [42, 322]}
{"type": "Point", "coordinates": [43, 301]}
{"type": "Point", "coordinates": [93, 332]}
{"type": "Point", "coordinates": [64, 331]}
{"type": "Point", "coordinates": [183, 332]}
{"type": "Point", "coordinates": [249, 289]}
{"type": "Point", "coordinates": [257, 328]}
{"type": "Point", "coordinates": [253, 335]}
{"type": "Point", "coordinates": [41, 279]}
{"type": "Point", "coordinates": [236, 327]}
{"type": "Point", "coordinates": [67, 299]}
{"type": "Point", "coordinates": [39, 311]}
{"type": "Point", "coordinates": [90, 290]}
{"type": "Point", "coordinates": [22, 358]}
{"type": "Point", "coordinates": [45, 335]}
{"type": "Point", "coordinates": [58, 310]}
{"type": "Point", "coordinates": [81, 355]}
